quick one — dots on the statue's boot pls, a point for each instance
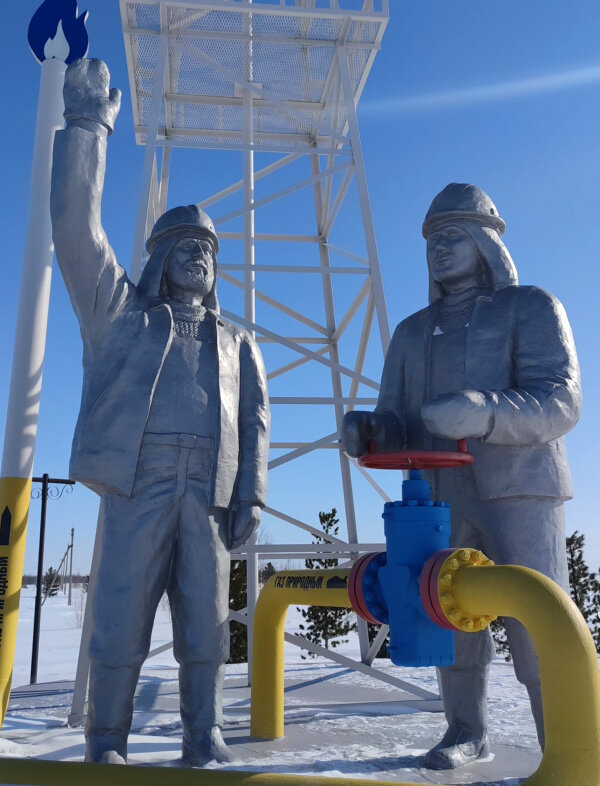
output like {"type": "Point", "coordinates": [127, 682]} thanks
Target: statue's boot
{"type": "Point", "coordinates": [110, 709]}
{"type": "Point", "coordinates": [201, 694]}
{"type": "Point", "coordinates": [534, 689]}
{"type": "Point", "coordinates": [464, 692]}
{"type": "Point", "coordinates": [457, 748]}
{"type": "Point", "coordinates": [111, 757]}
{"type": "Point", "coordinates": [204, 745]}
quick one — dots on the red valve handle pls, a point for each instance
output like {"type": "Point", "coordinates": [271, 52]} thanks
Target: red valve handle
{"type": "Point", "coordinates": [461, 446]}
{"type": "Point", "coordinates": [416, 459]}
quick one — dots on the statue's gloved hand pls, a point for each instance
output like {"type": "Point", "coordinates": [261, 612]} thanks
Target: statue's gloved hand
{"type": "Point", "coordinates": [243, 521]}
{"type": "Point", "coordinates": [358, 428]}
{"type": "Point", "coordinates": [88, 99]}
{"type": "Point", "coordinates": [467, 413]}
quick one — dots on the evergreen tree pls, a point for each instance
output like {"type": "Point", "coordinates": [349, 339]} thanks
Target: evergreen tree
{"type": "Point", "coordinates": [51, 582]}
{"type": "Point", "coordinates": [580, 577]}
{"type": "Point", "coordinates": [237, 600]}
{"type": "Point", "coordinates": [324, 625]}
{"type": "Point", "coordinates": [584, 585]}
{"type": "Point", "coordinates": [500, 638]}
{"type": "Point", "coordinates": [265, 573]}
{"type": "Point", "coordinates": [594, 620]}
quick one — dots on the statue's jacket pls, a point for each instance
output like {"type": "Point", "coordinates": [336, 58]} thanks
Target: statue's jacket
{"type": "Point", "coordinates": [520, 352]}
{"type": "Point", "coordinates": [126, 337]}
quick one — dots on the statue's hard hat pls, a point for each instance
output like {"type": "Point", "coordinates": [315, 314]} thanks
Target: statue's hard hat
{"type": "Point", "coordinates": [459, 201]}
{"type": "Point", "coordinates": [185, 221]}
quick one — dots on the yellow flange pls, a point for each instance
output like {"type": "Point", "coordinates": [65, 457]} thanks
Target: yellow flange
{"type": "Point", "coordinates": [460, 618]}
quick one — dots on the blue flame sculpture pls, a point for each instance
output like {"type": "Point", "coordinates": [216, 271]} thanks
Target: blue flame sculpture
{"type": "Point", "coordinates": [45, 24]}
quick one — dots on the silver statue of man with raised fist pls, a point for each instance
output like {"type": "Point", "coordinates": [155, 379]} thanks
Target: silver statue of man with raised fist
{"type": "Point", "coordinates": [173, 434]}
{"type": "Point", "coordinates": [493, 362]}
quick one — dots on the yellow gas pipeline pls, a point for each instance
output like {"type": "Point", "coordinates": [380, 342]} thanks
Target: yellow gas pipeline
{"type": "Point", "coordinates": [63, 773]}
{"type": "Point", "coordinates": [566, 653]}
{"type": "Point", "coordinates": [565, 648]}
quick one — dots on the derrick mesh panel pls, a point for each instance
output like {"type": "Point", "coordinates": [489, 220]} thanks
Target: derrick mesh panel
{"type": "Point", "coordinates": [284, 63]}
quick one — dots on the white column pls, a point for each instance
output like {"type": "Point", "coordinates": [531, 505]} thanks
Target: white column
{"type": "Point", "coordinates": [32, 319]}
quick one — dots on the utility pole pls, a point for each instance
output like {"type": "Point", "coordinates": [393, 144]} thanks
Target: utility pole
{"type": "Point", "coordinates": [46, 482]}
{"type": "Point", "coordinates": [71, 569]}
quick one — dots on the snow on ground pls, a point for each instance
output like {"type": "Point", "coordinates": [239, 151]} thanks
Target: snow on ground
{"type": "Point", "coordinates": [338, 722]}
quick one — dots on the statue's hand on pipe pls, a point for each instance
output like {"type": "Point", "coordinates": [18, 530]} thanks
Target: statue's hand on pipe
{"type": "Point", "coordinates": [243, 521]}
{"type": "Point", "coordinates": [89, 102]}
{"type": "Point", "coordinates": [467, 413]}
{"type": "Point", "coordinates": [358, 429]}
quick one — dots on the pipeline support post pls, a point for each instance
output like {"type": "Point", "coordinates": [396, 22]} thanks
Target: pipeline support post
{"type": "Point", "coordinates": [327, 588]}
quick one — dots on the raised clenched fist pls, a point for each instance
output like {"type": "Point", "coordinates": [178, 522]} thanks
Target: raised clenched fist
{"type": "Point", "coordinates": [88, 98]}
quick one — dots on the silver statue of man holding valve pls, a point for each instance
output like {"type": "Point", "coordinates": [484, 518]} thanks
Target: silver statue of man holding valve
{"type": "Point", "coordinates": [173, 434]}
{"type": "Point", "coordinates": [495, 363]}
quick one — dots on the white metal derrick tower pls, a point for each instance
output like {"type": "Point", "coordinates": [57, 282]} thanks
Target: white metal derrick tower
{"type": "Point", "coordinates": [276, 84]}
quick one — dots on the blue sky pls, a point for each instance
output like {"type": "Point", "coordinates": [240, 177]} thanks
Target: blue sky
{"type": "Point", "coordinates": [505, 97]}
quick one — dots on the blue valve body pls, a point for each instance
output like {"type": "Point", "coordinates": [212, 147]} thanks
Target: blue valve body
{"type": "Point", "coordinates": [415, 528]}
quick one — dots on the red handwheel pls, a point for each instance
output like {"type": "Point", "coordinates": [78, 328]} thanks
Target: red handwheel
{"type": "Point", "coordinates": [416, 459]}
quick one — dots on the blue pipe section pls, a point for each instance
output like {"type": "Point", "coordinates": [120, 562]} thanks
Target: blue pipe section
{"type": "Point", "coordinates": [415, 528]}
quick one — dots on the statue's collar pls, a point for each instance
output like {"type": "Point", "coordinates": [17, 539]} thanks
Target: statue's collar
{"type": "Point", "coordinates": [187, 312]}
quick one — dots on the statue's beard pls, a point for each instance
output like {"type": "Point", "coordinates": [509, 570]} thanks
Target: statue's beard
{"type": "Point", "coordinates": [194, 282]}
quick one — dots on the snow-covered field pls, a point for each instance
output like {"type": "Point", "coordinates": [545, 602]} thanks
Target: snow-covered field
{"type": "Point", "coordinates": [338, 722]}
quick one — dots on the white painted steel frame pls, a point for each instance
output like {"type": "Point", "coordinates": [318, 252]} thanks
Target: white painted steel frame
{"type": "Point", "coordinates": [342, 153]}
{"type": "Point", "coordinates": [149, 171]}
{"type": "Point", "coordinates": [252, 587]}
{"type": "Point", "coordinates": [370, 12]}
{"type": "Point", "coordinates": [326, 213]}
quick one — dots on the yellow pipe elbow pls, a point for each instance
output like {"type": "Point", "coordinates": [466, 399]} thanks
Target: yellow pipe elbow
{"type": "Point", "coordinates": [305, 587]}
{"type": "Point", "coordinates": [567, 660]}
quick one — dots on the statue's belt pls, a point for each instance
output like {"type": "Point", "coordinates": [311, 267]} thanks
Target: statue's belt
{"type": "Point", "coordinates": [179, 440]}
